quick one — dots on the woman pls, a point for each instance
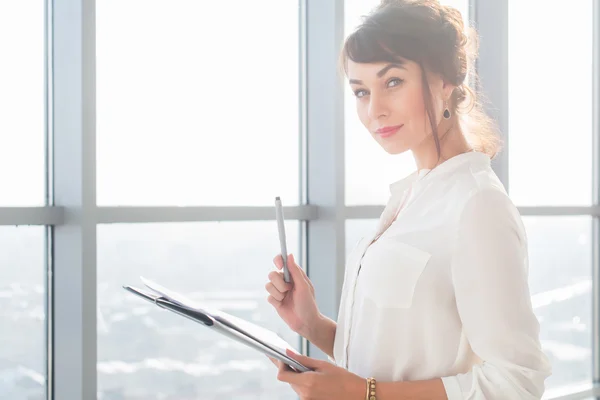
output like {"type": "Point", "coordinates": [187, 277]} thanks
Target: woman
{"type": "Point", "coordinates": [435, 303]}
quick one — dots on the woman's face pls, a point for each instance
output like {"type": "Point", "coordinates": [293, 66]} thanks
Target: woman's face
{"type": "Point", "coordinates": [389, 102]}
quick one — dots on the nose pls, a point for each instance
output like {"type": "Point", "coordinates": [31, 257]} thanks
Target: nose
{"type": "Point", "coordinates": [377, 106]}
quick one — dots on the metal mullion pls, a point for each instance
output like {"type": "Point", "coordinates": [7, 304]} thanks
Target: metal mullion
{"type": "Point", "coordinates": [325, 152]}
{"type": "Point", "coordinates": [31, 215]}
{"type": "Point", "coordinates": [303, 140]}
{"type": "Point", "coordinates": [74, 242]}
{"type": "Point", "coordinates": [491, 21]}
{"type": "Point", "coordinates": [557, 211]}
{"type": "Point", "coordinates": [596, 194]}
{"type": "Point", "coordinates": [55, 215]}
{"type": "Point", "coordinates": [49, 200]}
{"type": "Point", "coordinates": [133, 214]}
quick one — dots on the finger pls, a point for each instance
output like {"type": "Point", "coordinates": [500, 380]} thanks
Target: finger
{"type": "Point", "coordinates": [280, 284]}
{"type": "Point", "coordinates": [297, 274]}
{"type": "Point", "coordinates": [274, 302]}
{"type": "Point", "coordinates": [278, 261]}
{"type": "Point", "coordinates": [274, 292]}
{"type": "Point", "coordinates": [286, 374]}
{"type": "Point", "coordinates": [311, 363]}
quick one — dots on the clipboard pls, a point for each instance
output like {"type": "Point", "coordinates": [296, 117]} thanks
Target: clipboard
{"type": "Point", "coordinates": [242, 331]}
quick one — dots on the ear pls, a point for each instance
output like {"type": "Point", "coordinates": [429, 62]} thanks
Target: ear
{"type": "Point", "coordinates": [447, 90]}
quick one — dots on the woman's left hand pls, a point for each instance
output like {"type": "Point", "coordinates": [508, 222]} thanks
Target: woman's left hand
{"type": "Point", "coordinates": [326, 382]}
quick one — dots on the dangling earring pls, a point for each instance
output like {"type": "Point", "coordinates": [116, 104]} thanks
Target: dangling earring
{"type": "Point", "coordinates": [446, 110]}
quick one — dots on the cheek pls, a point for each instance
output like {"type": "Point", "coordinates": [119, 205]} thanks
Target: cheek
{"type": "Point", "coordinates": [362, 112]}
{"type": "Point", "coordinates": [413, 104]}
{"type": "Point", "coordinates": [413, 110]}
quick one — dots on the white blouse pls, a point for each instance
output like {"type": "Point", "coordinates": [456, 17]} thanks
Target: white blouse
{"type": "Point", "coordinates": [443, 292]}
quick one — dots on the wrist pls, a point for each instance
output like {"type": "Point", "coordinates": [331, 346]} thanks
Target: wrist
{"type": "Point", "coordinates": [360, 389]}
{"type": "Point", "coordinates": [312, 327]}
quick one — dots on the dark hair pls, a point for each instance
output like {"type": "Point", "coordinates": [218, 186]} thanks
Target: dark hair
{"type": "Point", "coordinates": [433, 36]}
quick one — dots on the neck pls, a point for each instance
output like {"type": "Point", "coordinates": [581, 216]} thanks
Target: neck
{"type": "Point", "coordinates": [452, 143]}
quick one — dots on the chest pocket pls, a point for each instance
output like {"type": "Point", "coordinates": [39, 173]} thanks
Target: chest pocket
{"type": "Point", "coordinates": [390, 271]}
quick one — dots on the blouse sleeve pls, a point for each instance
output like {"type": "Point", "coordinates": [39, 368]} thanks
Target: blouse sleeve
{"type": "Point", "coordinates": [490, 278]}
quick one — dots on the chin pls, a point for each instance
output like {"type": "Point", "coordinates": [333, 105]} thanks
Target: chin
{"type": "Point", "coordinates": [395, 148]}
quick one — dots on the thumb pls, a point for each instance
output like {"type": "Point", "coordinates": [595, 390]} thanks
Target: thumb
{"type": "Point", "coordinates": [311, 363]}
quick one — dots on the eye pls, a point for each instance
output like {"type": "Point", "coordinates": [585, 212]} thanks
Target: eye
{"type": "Point", "coordinates": [360, 93]}
{"type": "Point", "coordinates": [394, 82]}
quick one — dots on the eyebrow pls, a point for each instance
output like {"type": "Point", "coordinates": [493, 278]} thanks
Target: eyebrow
{"type": "Point", "coordinates": [381, 73]}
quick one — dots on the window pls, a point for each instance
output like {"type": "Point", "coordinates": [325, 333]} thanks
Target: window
{"type": "Point", "coordinates": [22, 184]}
{"type": "Point", "coordinates": [22, 313]}
{"type": "Point", "coordinates": [369, 169]}
{"type": "Point", "coordinates": [550, 164]}
{"type": "Point", "coordinates": [196, 106]}
{"type": "Point", "coordinates": [197, 102]}
{"type": "Point", "coordinates": [560, 274]}
{"type": "Point", "coordinates": [145, 352]}
{"type": "Point", "coordinates": [22, 103]}
{"type": "Point", "coordinates": [550, 104]}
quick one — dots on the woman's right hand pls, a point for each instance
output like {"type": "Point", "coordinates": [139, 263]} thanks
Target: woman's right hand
{"type": "Point", "coordinates": [295, 301]}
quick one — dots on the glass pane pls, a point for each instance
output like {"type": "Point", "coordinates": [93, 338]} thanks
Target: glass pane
{"type": "Point", "coordinates": [22, 103]}
{"type": "Point", "coordinates": [369, 169]}
{"type": "Point", "coordinates": [550, 139]}
{"type": "Point", "coordinates": [560, 250]}
{"type": "Point", "coordinates": [145, 352]}
{"type": "Point", "coordinates": [22, 313]}
{"type": "Point", "coordinates": [198, 105]}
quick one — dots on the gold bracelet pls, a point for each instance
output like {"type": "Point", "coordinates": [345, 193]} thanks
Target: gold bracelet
{"type": "Point", "coordinates": [371, 389]}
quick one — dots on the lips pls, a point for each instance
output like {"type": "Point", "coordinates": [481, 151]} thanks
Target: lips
{"type": "Point", "coordinates": [387, 131]}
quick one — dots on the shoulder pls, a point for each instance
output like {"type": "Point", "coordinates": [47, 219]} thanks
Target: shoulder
{"type": "Point", "coordinates": [483, 200]}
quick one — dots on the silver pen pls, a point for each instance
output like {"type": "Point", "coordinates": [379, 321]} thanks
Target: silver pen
{"type": "Point", "coordinates": [282, 244]}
